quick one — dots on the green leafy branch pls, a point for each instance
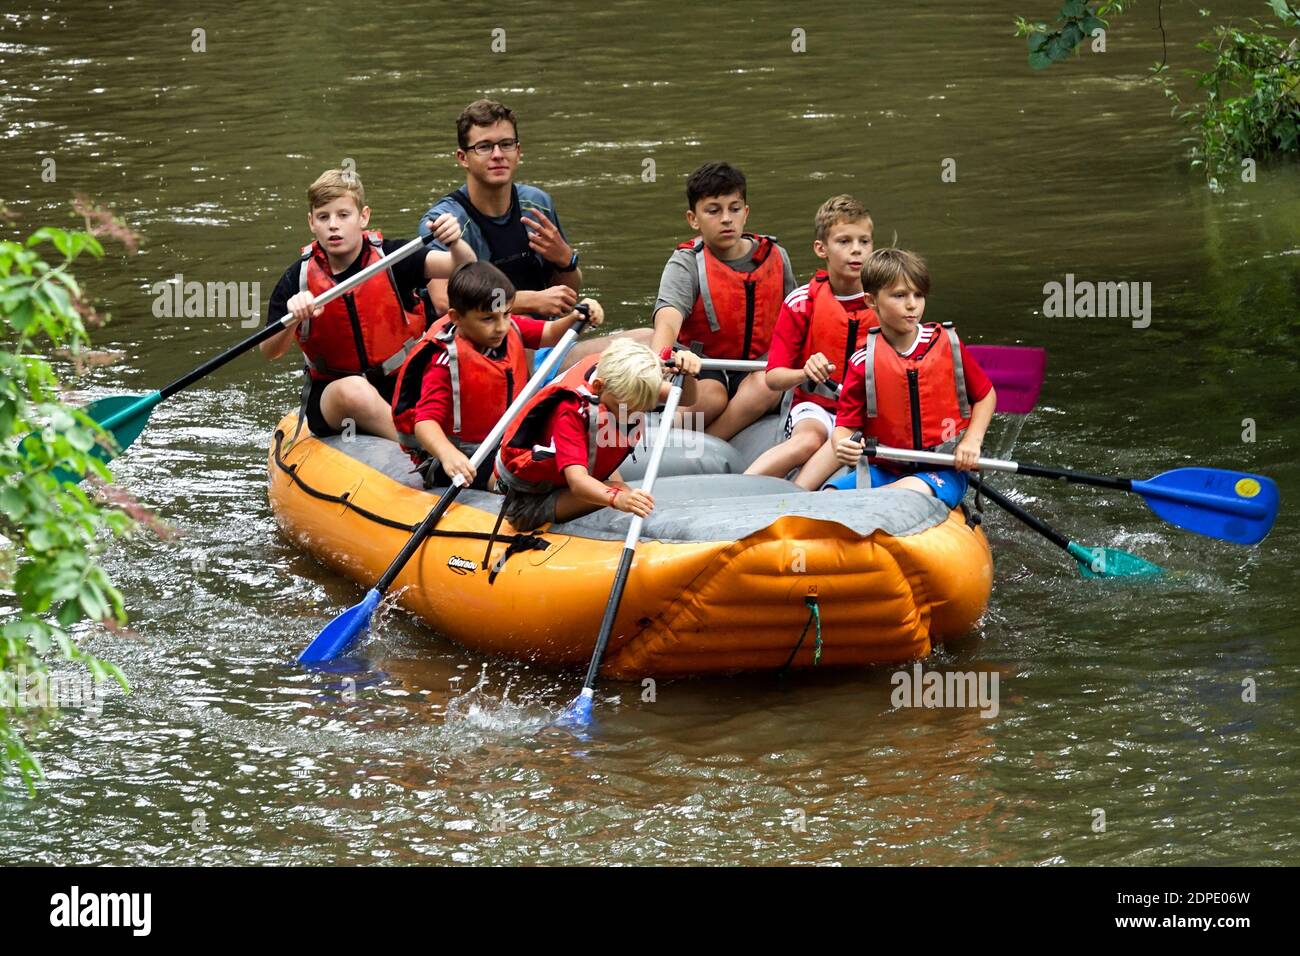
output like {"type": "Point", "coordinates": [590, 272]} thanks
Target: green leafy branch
{"type": "Point", "coordinates": [1075, 22]}
{"type": "Point", "coordinates": [51, 531]}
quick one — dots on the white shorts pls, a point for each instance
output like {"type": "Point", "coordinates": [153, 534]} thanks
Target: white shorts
{"type": "Point", "coordinates": [806, 411]}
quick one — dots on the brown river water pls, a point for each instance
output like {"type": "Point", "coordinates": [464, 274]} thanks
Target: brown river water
{"type": "Point", "coordinates": [1114, 696]}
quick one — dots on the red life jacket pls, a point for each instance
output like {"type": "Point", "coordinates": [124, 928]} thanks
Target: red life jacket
{"type": "Point", "coordinates": [829, 324]}
{"type": "Point", "coordinates": [526, 459]}
{"type": "Point", "coordinates": [489, 384]}
{"type": "Point", "coordinates": [365, 330]}
{"type": "Point", "coordinates": [915, 403]}
{"type": "Point", "coordinates": [735, 312]}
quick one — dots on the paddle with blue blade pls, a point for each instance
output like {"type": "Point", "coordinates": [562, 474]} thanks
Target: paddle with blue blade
{"type": "Point", "coordinates": [339, 634]}
{"type": "Point", "coordinates": [1216, 502]}
{"type": "Point", "coordinates": [125, 416]}
{"type": "Point", "coordinates": [578, 713]}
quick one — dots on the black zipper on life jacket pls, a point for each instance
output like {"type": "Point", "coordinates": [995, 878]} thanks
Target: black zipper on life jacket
{"type": "Point", "coordinates": [510, 386]}
{"type": "Point", "coordinates": [750, 291]}
{"type": "Point", "coordinates": [850, 347]}
{"type": "Point", "coordinates": [914, 396]}
{"type": "Point", "coordinates": [357, 337]}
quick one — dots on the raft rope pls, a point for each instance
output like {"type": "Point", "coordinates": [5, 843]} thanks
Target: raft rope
{"type": "Point", "coordinates": [517, 542]}
{"type": "Point", "coordinates": [814, 615]}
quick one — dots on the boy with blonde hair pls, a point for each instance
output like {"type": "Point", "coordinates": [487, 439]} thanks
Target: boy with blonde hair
{"type": "Point", "coordinates": [560, 457]}
{"type": "Point", "coordinates": [354, 345]}
{"type": "Point", "coordinates": [820, 326]}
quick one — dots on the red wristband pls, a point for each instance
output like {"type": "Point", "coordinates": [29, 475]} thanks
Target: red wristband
{"type": "Point", "coordinates": [613, 494]}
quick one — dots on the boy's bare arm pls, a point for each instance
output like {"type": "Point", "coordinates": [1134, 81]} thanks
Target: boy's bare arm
{"type": "Point", "coordinates": [300, 306]}
{"type": "Point", "coordinates": [781, 379]}
{"type": "Point", "coordinates": [981, 414]}
{"type": "Point", "coordinates": [668, 325]}
{"type": "Point", "coordinates": [968, 449]}
{"type": "Point", "coordinates": [593, 491]}
{"type": "Point", "coordinates": [439, 264]}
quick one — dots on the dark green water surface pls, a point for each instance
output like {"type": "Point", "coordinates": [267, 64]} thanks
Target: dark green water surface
{"type": "Point", "coordinates": [1121, 697]}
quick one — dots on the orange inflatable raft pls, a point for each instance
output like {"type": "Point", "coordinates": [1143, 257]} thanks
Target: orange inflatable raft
{"type": "Point", "coordinates": [730, 571]}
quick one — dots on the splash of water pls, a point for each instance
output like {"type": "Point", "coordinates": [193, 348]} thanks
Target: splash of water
{"type": "Point", "coordinates": [478, 714]}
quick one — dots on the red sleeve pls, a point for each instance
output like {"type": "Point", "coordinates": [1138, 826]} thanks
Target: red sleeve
{"type": "Point", "coordinates": [788, 336]}
{"type": "Point", "coordinates": [977, 380]}
{"type": "Point", "coordinates": [530, 330]}
{"type": "Point", "coordinates": [569, 432]}
{"type": "Point", "coordinates": [435, 396]}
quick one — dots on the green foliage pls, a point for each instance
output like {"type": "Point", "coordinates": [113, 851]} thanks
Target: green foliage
{"type": "Point", "coordinates": [1250, 106]}
{"type": "Point", "coordinates": [1075, 22]}
{"type": "Point", "coordinates": [50, 532]}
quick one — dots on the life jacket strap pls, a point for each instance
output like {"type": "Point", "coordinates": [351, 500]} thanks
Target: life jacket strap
{"type": "Point", "coordinates": [783, 429]}
{"type": "Point", "coordinates": [305, 324]}
{"type": "Point", "coordinates": [705, 297]}
{"type": "Point", "coordinates": [453, 367]}
{"type": "Point", "coordinates": [593, 416]}
{"type": "Point", "coordinates": [959, 373]}
{"type": "Point", "coordinates": [869, 372]}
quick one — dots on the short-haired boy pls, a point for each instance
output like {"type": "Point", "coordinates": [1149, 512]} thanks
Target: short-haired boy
{"type": "Point", "coordinates": [908, 367]}
{"type": "Point", "coordinates": [560, 457]}
{"type": "Point", "coordinates": [723, 289]}
{"type": "Point", "coordinates": [355, 344]}
{"type": "Point", "coordinates": [820, 327]}
{"type": "Point", "coordinates": [457, 384]}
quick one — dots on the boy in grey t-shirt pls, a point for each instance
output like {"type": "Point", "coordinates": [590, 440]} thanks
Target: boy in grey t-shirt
{"type": "Point", "coordinates": [724, 290]}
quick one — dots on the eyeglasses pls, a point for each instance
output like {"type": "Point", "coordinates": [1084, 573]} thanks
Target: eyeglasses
{"type": "Point", "coordinates": [507, 146]}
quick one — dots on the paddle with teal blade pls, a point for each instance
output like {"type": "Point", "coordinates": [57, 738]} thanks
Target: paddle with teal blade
{"type": "Point", "coordinates": [1092, 562]}
{"type": "Point", "coordinates": [340, 633]}
{"type": "Point", "coordinates": [1217, 502]}
{"type": "Point", "coordinates": [125, 416]}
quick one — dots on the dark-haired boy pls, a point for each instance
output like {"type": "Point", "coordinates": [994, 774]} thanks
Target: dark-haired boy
{"type": "Point", "coordinates": [457, 384]}
{"type": "Point", "coordinates": [724, 290]}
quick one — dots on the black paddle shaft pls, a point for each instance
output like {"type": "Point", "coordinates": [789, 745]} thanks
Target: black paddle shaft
{"type": "Point", "coordinates": [1077, 477]}
{"type": "Point", "coordinates": [260, 336]}
{"type": "Point", "coordinates": [417, 538]}
{"type": "Point", "coordinates": [611, 612]}
{"type": "Point", "coordinates": [212, 364]}
{"type": "Point", "coordinates": [1009, 506]}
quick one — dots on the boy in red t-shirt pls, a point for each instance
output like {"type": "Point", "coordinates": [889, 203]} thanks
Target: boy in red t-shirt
{"type": "Point", "coordinates": [469, 367]}
{"type": "Point", "coordinates": [913, 386]}
{"type": "Point", "coordinates": [820, 326]}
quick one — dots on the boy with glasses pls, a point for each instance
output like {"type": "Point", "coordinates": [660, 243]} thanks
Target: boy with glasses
{"type": "Point", "coordinates": [515, 227]}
